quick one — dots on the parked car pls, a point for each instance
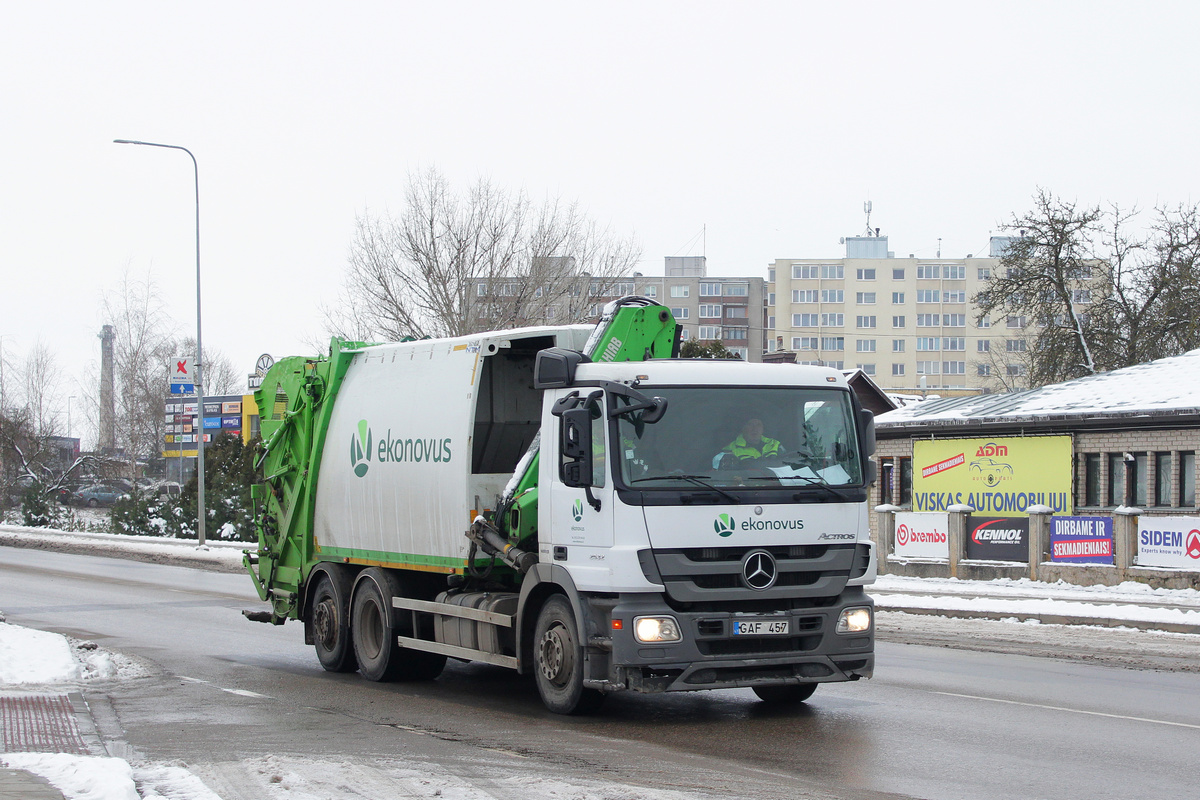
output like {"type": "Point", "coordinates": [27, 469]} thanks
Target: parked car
{"type": "Point", "coordinates": [98, 495]}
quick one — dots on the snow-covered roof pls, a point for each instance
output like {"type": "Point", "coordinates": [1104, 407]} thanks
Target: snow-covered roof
{"type": "Point", "coordinates": [1162, 387]}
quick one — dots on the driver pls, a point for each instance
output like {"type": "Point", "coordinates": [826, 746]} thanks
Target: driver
{"type": "Point", "coordinates": [750, 445]}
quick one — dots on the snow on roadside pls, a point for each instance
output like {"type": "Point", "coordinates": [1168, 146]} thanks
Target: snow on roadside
{"type": "Point", "coordinates": [222, 554]}
{"type": "Point", "coordinates": [31, 657]}
{"type": "Point", "coordinates": [103, 778]}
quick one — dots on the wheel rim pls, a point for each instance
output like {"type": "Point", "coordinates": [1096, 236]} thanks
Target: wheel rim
{"type": "Point", "coordinates": [556, 659]}
{"type": "Point", "coordinates": [371, 628]}
{"type": "Point", "coordinates": [325, 623]}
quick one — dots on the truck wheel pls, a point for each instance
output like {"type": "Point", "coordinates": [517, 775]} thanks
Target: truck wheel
{"type": "Point", "coordinates": [331, 627]}
{"type": "Point", "coordinates": [785, 695]}
{"type": "Point", "coordinates": [379, 657]}
{"type": "Point", "coordinates": [558, 661]}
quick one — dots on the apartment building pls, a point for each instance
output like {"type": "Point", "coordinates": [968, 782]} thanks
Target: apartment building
{"type": "Point", "coordinates": [909, 323]}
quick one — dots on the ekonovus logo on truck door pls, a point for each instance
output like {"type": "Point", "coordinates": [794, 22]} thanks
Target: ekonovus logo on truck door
{"type": "Point", "coordinates": [393, 450]}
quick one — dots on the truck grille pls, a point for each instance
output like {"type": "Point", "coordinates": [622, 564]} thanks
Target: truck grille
{"type": "Point", "coordinates": [714, 574]}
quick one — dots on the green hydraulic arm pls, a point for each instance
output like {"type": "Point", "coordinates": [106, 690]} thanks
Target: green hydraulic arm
{"type": "Point", "coordinates": [295, 402]}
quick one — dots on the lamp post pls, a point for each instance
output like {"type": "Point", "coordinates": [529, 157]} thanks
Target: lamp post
{"type": "Point", "coordinates": [69, 399]}
{"type": "Point", "coordinates": [200, 517]}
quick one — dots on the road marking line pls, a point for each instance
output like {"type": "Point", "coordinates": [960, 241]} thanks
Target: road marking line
{"type": "Point", "coordinates": [1071, 710]}
{"type": "Point", "coordinates": [238, 692]}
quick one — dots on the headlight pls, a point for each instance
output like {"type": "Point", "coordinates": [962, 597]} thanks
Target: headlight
{"type": "Point", "coordinates": [656, 629]}
{"type": "Point", "coordinates": [854, 620]}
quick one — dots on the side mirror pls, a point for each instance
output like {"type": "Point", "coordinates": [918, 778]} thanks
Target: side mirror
{"type": "Point", "coordinates": [576, 446]}
{"type": "Point", "coordinates": [866, 430]}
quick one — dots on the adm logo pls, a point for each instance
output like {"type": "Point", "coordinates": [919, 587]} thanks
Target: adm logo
{"type": "Point", "coordinates": [360, 449]}
{"type": "Point", "coordinates": [723, 525]}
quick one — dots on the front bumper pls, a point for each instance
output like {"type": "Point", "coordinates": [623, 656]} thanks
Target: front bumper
{"type": "Point", "coordinates": [710, 656]}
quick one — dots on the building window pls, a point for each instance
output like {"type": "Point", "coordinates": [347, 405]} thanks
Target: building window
{"type": "Point", "coordinates": [956, 272]}
{"type": "Point", "coordinates": [954, 320]}
{"type": "Point", "coordinates": [833, 320]}
{"type": "Point", "coordinates": [983, 370]}
{"type": "Point", "coordinates": [1016, 345]}
{"type": "Point", "coordinates": [681, 291]}
{"type": "Point", "coordinates": [738, 334]}
{"type": "Point", "coordinates": [897, 274]}
{"type": "Point", "coordinates": [710, 310]}
{"type": "Point", "coordinates": [954, 368]}
{"type": "Point", "coordinates": [929, 272]}
{"type": "Point", "coordinates": [929, 296]}
{"type": "Point", "coordinates": [771, 275]}
{"type": "Point", "coordinates": [832, 272]}
{"type": "Point", "coordinates": [897, 298]}
{"type": "Point", "coordinates": [1015, 370]}
{"type": "Point", "coordinates": [897, 369]}
{"type": "Point", "coordinates": [770, 298]}
{"type": "Point", "coordinates": [898, 322]}
{"type": "Point", "coordinates": [865, 345]}
{"type": "Point", "coordinates": [481, 290]}
{"type": "Point", "coordinates": [1138, 478]}
{"type": "Point", "coordinates": [1116, 479]}
{"type": "Point", "coordinates": [650, 291]}
{"type": "Point", "coordinates": [927, 343]}
{"type": "Point", "coordinates": [983, 346]}
{"type": "Point", "coordinates": [805, 320]}
{"type": "Point", "coordinates": [929, 368]}
{"type": "Point", "coordinates": [1081, 295]}
{"type": "Point", "coordinates": [929, 320]}
{"type": "Point", "coordinates": [955, 296]}
{"type": "Point", "coordinates": [733, 312]}
{"type": "Point", "coordinates": [905, 493]}
{"type": "Point", "coordinates": [771, 322]}
{"type": "Point", "coordinates": [710, 289]}
{"type": "Point", "coordinates": [833, 343]}
{"type": "Point", "coordinates": [868, 369]}
{"type": "Point", "coordinates": [1091, 479]}
{"type": "Point", "coordinates": [680, 313]}
{"type": "Point", "coordinates": [736, 290]}
{"type": "Point", "coordinates": [805, 296]}
{"type": "Point", "coordinates": [983, 273]}
{"type": "Point", "coordinates": [1015, 322]}
{"type": "Point", "coordinates": [1162, 479]}
{"type": "Point", "coordinates": [836, 364]}
{"type": "Point", "coordinates": [1187, 479]}
{"type": "Point", "coordinates": [897, 345]}
{"type": "Point", "coordinates": [741, 352]}
{"type": "Point", "coordinates": [805, 343]}
{"type": "Point", "coordinates": [954, 343]}
{"type": "Point", "coordinates": [708, 332]}
{"type": "Point", "coordinates": [866, 322]}
{"type": "Point", "coordinates": [985, 323]}
{"type": "Point", "coordinates": [866, 274]}
{"type": "Point", "coordinates": [865, 298]}
{"type": "Point", "coordinates": [833, 296]}
{"type": "Point", "coordinates": [683, 334]}
{"type": "Point", "coordinates": [805, 272]}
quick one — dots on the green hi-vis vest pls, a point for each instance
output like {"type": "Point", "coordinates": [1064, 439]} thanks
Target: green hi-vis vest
{"type": "Point", "coordinates": [769, 447]}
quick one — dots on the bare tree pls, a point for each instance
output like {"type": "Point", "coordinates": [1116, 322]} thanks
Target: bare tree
{"type": "Point", "coordinates": [453, 264]}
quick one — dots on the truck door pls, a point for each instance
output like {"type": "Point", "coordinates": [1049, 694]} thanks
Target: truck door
{"type": "Point", "coordinates": [580, 506]}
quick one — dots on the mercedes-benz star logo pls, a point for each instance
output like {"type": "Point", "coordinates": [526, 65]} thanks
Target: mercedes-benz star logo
{"type": "Point", "coordinates": [758, 570]}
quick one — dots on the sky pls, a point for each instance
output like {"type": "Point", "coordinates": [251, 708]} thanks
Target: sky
{"type": "Point", "coordinates": [744, 132]}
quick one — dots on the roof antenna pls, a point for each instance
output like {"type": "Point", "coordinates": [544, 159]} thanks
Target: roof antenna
{"type": "Point", "coordinates": [867, 210]}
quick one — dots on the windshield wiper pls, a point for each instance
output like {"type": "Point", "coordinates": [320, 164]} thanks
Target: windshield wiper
{"type": "Point", "coordinates": [696, 479]}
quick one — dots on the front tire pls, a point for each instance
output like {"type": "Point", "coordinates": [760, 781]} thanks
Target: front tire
{"type": "Point", "coordinates": [331, 626]}
{"type": "Point", "coordinates": [558, 661]}
{"type": "Point", "coordinates": [789, 695]}
{"type": "Point", "coordinates": [380, 657]}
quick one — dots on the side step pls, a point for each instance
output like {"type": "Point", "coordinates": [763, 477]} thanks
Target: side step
{"type": "Point", "coordinates": [459, 612]}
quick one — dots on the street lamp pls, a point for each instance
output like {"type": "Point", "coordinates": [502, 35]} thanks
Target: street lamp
{"type": "Point", "coordinates": [69, 399]}
{"type": "Point", "coordinates": [199, 348]}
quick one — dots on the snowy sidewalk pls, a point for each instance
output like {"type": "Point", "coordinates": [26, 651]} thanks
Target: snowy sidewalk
{"type": "Point", "coordinates": [1129, 604]}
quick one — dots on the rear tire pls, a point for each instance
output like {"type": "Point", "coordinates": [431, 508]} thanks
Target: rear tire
{"type": "Point", "coordinates": [558, 661]}
{"type": "Point", "coordinates": [790, 695]}
{"type": "Point", "coordinates": [374, 631]}
{"type": "Point", "coordinates": [330, 617]}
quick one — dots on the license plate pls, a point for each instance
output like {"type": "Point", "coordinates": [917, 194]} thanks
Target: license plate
{"type": "Point", "coordinates": [761, 627]}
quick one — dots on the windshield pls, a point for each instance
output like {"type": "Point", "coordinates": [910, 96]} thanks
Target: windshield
{"type": "Point", "coordinates": [728, 436]}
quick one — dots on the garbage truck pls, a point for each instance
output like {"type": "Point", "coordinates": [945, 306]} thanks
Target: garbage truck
{"type": "Point", "coordinates": [575, 503]}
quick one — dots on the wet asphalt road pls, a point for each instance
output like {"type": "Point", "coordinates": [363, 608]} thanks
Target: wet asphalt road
{"type": "Point", "coordinates": [935, 722]}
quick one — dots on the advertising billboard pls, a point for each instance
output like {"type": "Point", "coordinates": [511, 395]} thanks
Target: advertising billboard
{"type": "Point", "coordinates": [1002, 476]}
{"type": "Point", "coordinates": [922, 536]}
{"type": "Point", "coordinates": [1081, 540]}
{"type": "Point", "coordinates": [994, 538]}
{"type": "Point", "coordinates": [1172, 542]}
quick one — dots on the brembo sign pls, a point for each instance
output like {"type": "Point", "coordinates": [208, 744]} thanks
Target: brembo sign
{"type": "Point", "coordinates": [921, 536]}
